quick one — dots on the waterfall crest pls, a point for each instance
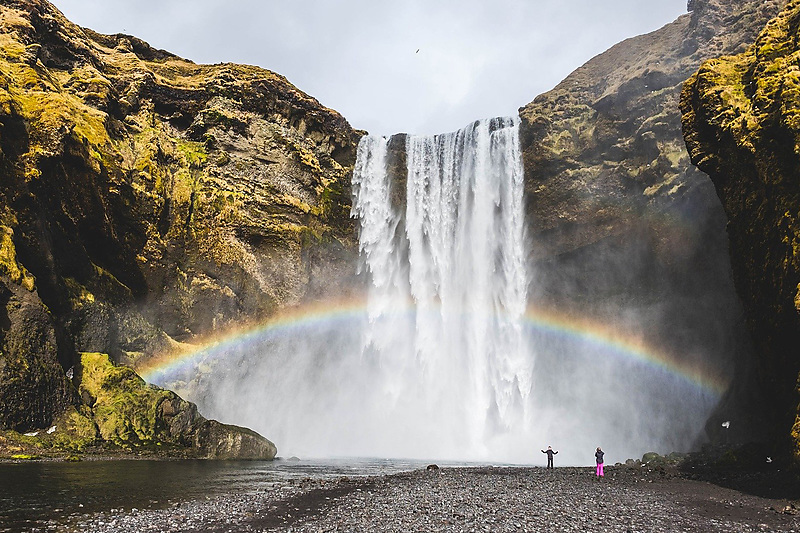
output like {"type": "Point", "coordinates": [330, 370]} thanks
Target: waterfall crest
{"type": "Point", "coordinates": [447, 286]}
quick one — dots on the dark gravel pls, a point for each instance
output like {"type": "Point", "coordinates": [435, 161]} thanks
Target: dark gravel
{"type": "Point", "coordinates": [628, 499]}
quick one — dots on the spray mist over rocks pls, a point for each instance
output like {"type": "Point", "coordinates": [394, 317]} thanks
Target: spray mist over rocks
{"type": "Point", "coordinates": [438, 363]}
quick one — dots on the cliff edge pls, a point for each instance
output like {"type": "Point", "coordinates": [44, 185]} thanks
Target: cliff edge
{"type": "Point", "coordinates": [623, 225]}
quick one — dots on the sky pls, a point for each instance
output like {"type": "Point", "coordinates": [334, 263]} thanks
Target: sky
{"type": "Point", "coordinates": [415, 66]}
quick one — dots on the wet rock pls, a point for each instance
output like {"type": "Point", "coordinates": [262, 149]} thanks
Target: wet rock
{"type": "Point", "coordinates": [224, 441]}
{"type": "Point", "coordinates": [34, 388]}
{"type": "Point", "coordinates": [651, 456]}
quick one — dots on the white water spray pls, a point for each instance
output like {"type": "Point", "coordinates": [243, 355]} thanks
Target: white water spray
{"type": "Point", "coordinates": [459, 370]}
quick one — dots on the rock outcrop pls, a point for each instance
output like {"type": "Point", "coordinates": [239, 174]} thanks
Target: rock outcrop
{"type": "Point", "coordinates": [130, 413]}
{"type": "Point", "coordinates": [145, 199]}
{"type": "Point", "coordinates": [119, 411]}
{"type": "Point", "coordinates": [741, 120]}
{"type": "Point", "coordinates": [621, 222]}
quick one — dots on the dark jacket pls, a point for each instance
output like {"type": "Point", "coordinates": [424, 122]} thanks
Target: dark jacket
{"type": "Point", "coordinates": [599, 455]}
{"type": "Point", "coordinates": [550, 453]}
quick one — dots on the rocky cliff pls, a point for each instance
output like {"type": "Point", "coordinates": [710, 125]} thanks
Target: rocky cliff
{"type": "Point", "coordinates": [145, 199]}
{"type": "Point", "coordinates": [742, 126]}
{"type": "Point", "coordinates": [621, 222]}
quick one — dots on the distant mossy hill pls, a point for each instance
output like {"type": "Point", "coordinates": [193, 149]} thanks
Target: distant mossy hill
{"type": "Point", "coordinates": [145, 200]}
{"type": "Point", "coordinates": [741, 121]}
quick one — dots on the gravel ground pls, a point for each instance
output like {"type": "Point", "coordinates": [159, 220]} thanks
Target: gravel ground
{"type": "Point", "coordinates": [469, 499]}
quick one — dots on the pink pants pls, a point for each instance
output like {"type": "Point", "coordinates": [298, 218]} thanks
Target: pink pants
{"type": "Point", "coordinates": [600, 469]}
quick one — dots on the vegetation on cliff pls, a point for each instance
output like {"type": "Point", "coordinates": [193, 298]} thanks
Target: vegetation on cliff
{"type": "Point", "coordinates": [144, 199]}
{"type": "Point", "coordinates": [741, 120]}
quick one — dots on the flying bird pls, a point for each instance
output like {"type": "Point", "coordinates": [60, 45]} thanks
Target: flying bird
{"type": "Point", "coordinates": [417, 51]}
{"type": "Point", "coordinates": [726, 424]}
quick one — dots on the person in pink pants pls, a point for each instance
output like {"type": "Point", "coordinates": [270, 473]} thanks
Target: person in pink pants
{"type": "Point", "coordinates": [599, 456]}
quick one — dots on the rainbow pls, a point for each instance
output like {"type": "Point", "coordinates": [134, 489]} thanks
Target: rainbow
{"type": "Point", "coordinates": [306, 319]}
{"type": "Point", "coordinates": [626, 346]}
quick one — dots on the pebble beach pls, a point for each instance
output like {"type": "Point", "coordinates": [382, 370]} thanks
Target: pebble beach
{"type": "Point", "coordinates": [466, 500]}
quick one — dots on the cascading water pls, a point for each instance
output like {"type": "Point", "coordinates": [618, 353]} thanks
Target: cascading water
{"type": "Point", "coordinates": [447, 285]}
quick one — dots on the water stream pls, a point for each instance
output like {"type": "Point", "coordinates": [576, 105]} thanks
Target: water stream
{"type": "Point", "coordinates": [37, 495]}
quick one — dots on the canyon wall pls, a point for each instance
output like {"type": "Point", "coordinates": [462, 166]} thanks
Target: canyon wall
{"type": "Point", "coordinates": [740, 120]}
{"type": "Point", "coordinates": [622, 224]}
{"type": "Point", "coordinates": [146, 200]}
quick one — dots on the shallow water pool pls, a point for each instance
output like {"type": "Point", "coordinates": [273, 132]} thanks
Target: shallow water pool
{"type": "Point", "coordinates": [35, 494]}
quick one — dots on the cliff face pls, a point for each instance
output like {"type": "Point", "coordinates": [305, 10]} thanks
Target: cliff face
{"type": "Point", "coordinates": [741, 124]}
{"type": "Point", "coordinates": [145, 199]}
{"type": "Point", "coordinates": [621, 222]}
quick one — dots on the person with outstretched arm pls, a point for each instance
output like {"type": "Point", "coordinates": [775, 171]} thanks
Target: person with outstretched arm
{"type": "Point", "coordinates": [550, 453]}
{"type": "Point", "coordinates": [599, 456]}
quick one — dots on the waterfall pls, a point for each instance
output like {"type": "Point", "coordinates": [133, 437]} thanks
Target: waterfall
{"type": "Point", "coordinates": [438, 366]}
{"type": "Point", "coordinates": [447, 286]}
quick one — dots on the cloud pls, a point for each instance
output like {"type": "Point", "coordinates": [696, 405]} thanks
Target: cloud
{"type": "Point", "coordinates": [475, 58]}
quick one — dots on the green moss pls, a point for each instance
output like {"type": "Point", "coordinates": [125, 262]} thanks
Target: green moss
{"type": "Point", "coordinates": [25, 456]}
{"type": "Point", "coordinates": [194, 153]}
{"type": "Point", "coordinates": [126, 408]}
{"type": "Point", "coordinates": [79, 295]}
{"type": "Point", "coordinates": [217, 117]}
{"type": "Point", "coordinates": [8, 260]}
{"type": "Point", "coordinates": [76, 430]}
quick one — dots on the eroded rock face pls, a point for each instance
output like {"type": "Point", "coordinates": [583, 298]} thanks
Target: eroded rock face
{"type": "Point", "coordinates": [740, 119]}
{"type": "Point", "coordinates": [622, 224]}
{"type": "Point", "coordinates": [145, 200]}
{"type": "Point", "coordinates": [33, 386]}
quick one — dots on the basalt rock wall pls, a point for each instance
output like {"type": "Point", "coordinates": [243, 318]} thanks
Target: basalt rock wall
{"type": "Point", "coordinates": [741, 120]}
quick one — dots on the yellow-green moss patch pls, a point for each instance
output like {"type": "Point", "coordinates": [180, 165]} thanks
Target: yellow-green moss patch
{"type": "Point", "coordinates": [125, 408]}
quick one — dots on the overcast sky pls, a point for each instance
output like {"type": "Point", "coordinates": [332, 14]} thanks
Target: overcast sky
{"type": "Point", "coordinates": [476, 58]}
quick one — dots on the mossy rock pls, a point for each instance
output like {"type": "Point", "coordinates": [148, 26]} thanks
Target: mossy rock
{"type": "Point", "coordinates": [126, 409]}
{"type": "Point", "coordinates": [650, 457]}
{"type": "Point", "coordinates": [741, 123]}
{"type": "Point", "coordinates": [75, 430]}
{"type": "Point", "coordinates": [129, 413]}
